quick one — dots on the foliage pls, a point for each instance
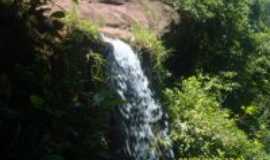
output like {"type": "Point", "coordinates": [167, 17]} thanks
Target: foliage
{"type": "Point", "coordinates": [202, 128]}
{"type": "Point", "coordinates": [211, 30]}
{"type": "Point", "coordinates": [255, 85]}
{"type": "Point", "coordinates": [260, 16]}
{"type": "Point", "coordinates": [55, 102]}
{"type": "Point", "coordinates": [98, 67]}
{"type": "Point", "coordinates": [219, 36]}
{"type": "Point", "coordinates": [83, 25]}
{"type": "Point", "coordinates": [146, 39]}
{"type": "Point", "coordinates": [49, 76]}
{"type": "Point", "coordinates": [153, 53]}
{"type": "Point", "coordinates": [72, 21]}
{"type": "Point", "coordinates": [203, 10]}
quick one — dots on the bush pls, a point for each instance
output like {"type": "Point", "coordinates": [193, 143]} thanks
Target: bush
{"type": "Point", "coordinates": [72, 21]}
{"type": "Point", "coordinates": [203, 9]}
{"type": "Point", "coordinates": [146, 39]}
{"type": "Point", "coordinates": [201, 128]}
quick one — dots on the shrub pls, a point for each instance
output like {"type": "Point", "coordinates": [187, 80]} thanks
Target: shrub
{"type": "Point", "coordinates": [146, 39]}
{"type": "Point", "coordinates": [201, 128]}
{"type": "Point", "coordinates": [203, 9]}
{"type": "Point", "coordinates": [72, 21]}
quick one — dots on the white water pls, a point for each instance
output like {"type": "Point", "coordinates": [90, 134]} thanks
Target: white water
{"type": "Point", "coordinates": [142, 117]}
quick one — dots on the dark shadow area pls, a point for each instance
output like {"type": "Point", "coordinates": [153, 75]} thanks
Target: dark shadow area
{"type": "Point", "coordinates": [46, 110]}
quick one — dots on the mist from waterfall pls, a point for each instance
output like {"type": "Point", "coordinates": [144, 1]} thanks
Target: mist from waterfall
{"type": "Point", "coordinates": [142, 118]}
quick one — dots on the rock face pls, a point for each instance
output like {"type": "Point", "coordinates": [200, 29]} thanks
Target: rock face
{"type": "Point", "coordinates": [117, 16]}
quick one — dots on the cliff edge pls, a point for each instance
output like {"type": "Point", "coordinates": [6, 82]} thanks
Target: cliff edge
{"type": "Point", "coordinates": [116, 17]}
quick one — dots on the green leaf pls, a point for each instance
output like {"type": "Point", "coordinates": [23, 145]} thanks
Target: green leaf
{"type": "Point", "coordinates": [251, 110]}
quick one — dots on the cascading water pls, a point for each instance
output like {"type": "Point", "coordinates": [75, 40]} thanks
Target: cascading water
{"type": "Point", "coordinates": [142, 118]}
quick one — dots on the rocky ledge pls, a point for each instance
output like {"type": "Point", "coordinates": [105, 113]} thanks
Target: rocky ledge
{"type": "Point", "coordinates": [117, 16]}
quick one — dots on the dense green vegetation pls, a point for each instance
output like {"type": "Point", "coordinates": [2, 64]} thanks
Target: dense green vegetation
{"type": "Point", "coordinates": [213, 70]}
{"type": "Point", "coordinates": [213, 117]}
{"type": "Point", "coordinates": [202, 128]}
{"type": "Point", "coordinates": [50, 78]}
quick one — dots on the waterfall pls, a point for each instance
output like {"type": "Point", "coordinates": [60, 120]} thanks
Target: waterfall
{"type": "Point", "coordinates": [142, 118]}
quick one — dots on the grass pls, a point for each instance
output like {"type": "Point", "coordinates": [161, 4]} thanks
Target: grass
{"type": "Point", "coordinates": [73, 22]}
{"type": "Point", "coordinates": [146, 39]}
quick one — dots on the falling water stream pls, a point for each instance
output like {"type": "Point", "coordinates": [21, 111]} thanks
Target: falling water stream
{"type": "Point", "coordinates": [142, 118]}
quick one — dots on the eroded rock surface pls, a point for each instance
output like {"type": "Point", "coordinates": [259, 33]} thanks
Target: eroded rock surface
{"type": "Point", "coordinates": [117, 16]}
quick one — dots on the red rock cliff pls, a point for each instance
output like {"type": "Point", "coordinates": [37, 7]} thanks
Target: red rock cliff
{"type": "Point", "coordinates": [117, 16]}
